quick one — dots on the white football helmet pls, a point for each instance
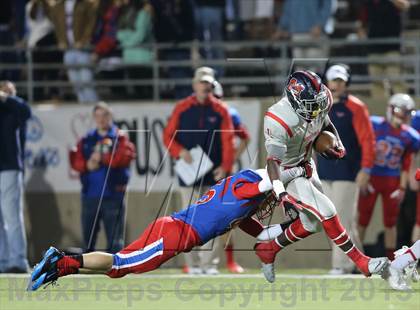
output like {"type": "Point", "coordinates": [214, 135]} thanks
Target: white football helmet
{"type": "Point", "coordinates": [400, 108]}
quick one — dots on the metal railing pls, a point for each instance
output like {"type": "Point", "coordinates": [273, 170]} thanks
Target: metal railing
{"type": "Point", "coordinates": [240, 75]}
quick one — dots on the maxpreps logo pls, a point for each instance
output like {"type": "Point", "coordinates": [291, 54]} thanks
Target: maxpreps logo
{"type": "Point", "coordinates": [295, 87]}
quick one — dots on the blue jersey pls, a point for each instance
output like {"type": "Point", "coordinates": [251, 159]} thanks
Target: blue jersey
{"type": "Point", "coordinates": [391, 146]}
{"type": "Point", "coordinates": [220, 208]}
{"type": "Point", "coordinates": [415, 121]}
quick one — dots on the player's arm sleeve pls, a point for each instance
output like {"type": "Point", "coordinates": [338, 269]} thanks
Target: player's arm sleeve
{"type": "Point", "coordinates": [251, 226]}
{"type": "Point", "coordinates": [365, 136]}
{"type": "Point", "coordinates": [228, 148]}
{"type": "Point", "coordinates": [275, 139]}
{"type": "Point", "coordinates": [125, 152]}
{"type": "Point", "coordinates": [246, 190]}
{"type": "Point", "coordinates": [169, 133]}
{"type": "Point", "coordinates": [77, 160]}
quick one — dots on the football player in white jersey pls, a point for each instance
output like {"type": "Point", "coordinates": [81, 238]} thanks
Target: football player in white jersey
{"type": "Point", "coordinates": [290, 128]}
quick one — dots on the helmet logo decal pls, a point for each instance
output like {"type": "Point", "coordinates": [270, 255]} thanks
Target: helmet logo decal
{"type": "Point", "coordinates": [295, 87]}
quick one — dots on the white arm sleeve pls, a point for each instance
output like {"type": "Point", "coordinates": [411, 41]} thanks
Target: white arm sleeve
{"type": "Point", "coordinates": [275, 138]}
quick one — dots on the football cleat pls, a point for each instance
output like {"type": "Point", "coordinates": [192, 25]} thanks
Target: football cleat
{"type": "Point", "coordinates": [46, 271]}
{"type": "Point", "coordinates": [410, 272]}
{"type": "Point", "coordinates": [396, 279]}
{"type": "Point", "coordinates": [268, 272]}
{"type": "Point", "coordinates": [378, 265]}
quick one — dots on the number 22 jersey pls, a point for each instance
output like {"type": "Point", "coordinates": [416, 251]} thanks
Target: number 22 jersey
{"type": "Point", "coordinates": [393, 147]}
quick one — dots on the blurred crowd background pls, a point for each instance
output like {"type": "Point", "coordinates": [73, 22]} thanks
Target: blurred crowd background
{"type": "Point", "coordinates": [65, 50]}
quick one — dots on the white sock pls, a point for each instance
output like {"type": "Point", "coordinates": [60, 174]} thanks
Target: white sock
{"type": "Point", "coordinates": [412, 254]}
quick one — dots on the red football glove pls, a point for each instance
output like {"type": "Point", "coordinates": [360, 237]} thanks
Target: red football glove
{"type": "Point", "coordinates": [290, 204]}
{"type": "Point", "coordinates": [338, 152]}
{"type": "Point", "coordinates": [308, 169]}
{"type": "Point", "coordinates": [418, 174]}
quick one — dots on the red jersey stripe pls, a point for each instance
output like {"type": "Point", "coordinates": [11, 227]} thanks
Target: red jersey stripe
{"type": "Point", "coordinates": [281, 122]}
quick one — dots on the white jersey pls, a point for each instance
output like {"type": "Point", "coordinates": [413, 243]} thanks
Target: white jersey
{"type": "Point", "coordinates": [287, 136]}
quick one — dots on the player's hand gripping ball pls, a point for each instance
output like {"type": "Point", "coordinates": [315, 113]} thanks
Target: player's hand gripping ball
{"type": "Point", "coordinates": [327, 145]}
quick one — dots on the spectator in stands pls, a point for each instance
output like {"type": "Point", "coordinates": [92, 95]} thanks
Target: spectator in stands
{"type": "Point", "coordinates": [203, 112]}
{"type": "Point", "coordinates": [342, 180]}
{"type": "Point", "coordinates": [106, 55]}
{"type": "Point", "coordinates": [136, 28]}
{"type": "Point", "coordinates": [103, 159]}
{"type": "Point", "coordinates": [14, 113]}
{"type": "Point", "coordinates": [395, 143]}
{"type": "Point", "coordinates": [74, 22]}
{"type": "Point", "coordinates": [242, 133]}
{"type": "Point", "coordinates": [209, 19]}
{"type": "Point", "coordinates": [258, 18]}
{"type": "Point", "coordinates": [41, 35]}
{"type": "Point", "coordinates": [304, 22]}
{"type": "Point", "coordinates": [105, 34]}
{"type": "Point", "coordinates": [174, 23]}
{"type": "Point", "coordinates": [382, 19]}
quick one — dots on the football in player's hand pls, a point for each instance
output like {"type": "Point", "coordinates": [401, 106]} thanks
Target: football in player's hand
{"type": "Point", "coordinates": [325, 141]}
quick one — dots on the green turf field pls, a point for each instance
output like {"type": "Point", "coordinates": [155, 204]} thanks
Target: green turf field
{"type": "Point", "coordinates": [170, 290]}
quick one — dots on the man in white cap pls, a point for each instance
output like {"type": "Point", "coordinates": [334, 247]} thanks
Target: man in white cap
{"type": "Point", "coordinates": [342, 180]}
{"type": "Point", "coordinates": [201, 120]}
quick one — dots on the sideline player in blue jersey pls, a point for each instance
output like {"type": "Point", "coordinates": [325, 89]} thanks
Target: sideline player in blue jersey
{"type": "Point", "coordinates": [395, 143]}
{"type": "Point", "coordinates": [415, 123]}
{"type": "Point", "coordinates": [232, 201]}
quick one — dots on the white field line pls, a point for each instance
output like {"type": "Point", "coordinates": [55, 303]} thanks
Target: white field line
{"type": "Point", "coordinates": [220, 276]}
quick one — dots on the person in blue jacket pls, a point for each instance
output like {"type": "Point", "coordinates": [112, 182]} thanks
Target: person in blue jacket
{"type": "Point", "coordinates": [14, 113]}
